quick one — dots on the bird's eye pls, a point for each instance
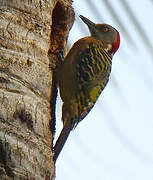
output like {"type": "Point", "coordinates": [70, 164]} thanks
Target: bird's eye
{"type": "Point", "coordinates": [106, 29]}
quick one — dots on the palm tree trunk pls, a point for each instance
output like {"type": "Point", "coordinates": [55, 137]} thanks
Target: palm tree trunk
{"type": "Point", "coordinates": [33, 35]}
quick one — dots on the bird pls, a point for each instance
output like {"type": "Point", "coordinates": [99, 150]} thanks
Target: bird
{"type": "Point", "coordinates": [84, 74]}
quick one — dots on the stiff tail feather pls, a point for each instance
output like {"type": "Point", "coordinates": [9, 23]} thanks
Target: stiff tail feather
{"type": "Point", "coordinates": [62, 139]}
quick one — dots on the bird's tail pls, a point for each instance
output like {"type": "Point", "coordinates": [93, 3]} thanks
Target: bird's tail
{"type": "Point", "coordinates": [62, 139]}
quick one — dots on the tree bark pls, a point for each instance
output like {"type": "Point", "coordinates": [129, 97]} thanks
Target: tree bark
{"type": "Point", "coordinates": [33, 37]}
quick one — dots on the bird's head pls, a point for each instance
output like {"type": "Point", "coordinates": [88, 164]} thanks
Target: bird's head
{"type": "Point", "coordinates": [107, 34]}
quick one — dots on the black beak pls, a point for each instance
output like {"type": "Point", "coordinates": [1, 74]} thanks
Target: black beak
{"type": "Point", "coordinates": [89, 23]}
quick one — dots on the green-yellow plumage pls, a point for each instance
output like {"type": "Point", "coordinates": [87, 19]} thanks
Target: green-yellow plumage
{"type": "Point", "coordinates": [83, 75]}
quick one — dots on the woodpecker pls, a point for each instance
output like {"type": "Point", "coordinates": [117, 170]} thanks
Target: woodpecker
{"type": "Point", "coordinates": [84, 74]}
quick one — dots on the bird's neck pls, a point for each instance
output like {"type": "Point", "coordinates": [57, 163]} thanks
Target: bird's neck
{"type": "Point", "coordinates": [109, 49]}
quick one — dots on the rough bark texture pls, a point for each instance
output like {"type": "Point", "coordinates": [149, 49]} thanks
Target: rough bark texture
{"type": "Point", "coordinates": [33, 36]}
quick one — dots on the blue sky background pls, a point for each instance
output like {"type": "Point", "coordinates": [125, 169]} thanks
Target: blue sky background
{"type": "Point", "coordinates": [115, 140]}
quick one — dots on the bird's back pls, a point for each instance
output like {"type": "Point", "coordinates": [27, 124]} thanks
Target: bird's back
{"type": "Point", "coordinates": [82, 77]}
